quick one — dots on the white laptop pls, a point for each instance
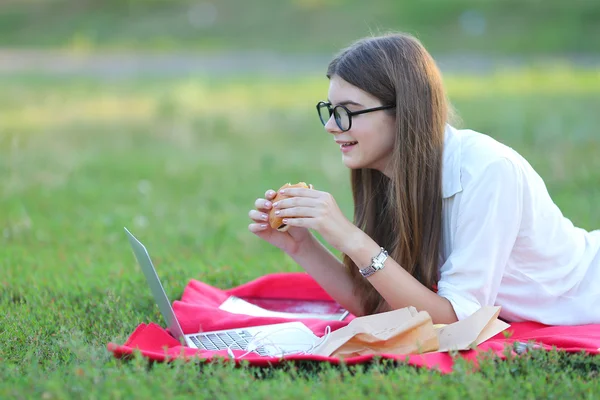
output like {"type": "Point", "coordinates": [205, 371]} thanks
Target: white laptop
{"type": "Point", "coordinates": [265, 340]}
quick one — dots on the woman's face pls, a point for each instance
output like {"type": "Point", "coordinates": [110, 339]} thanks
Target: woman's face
{"type": "Point", "coordinates": [373, 133]}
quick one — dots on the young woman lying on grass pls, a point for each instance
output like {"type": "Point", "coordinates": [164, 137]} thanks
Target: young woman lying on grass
{"type": "Point", "coordinates": [466, 220]}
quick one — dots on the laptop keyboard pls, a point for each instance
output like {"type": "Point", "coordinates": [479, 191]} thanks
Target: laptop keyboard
{"type": "Point", "coordinates": [235, 340]}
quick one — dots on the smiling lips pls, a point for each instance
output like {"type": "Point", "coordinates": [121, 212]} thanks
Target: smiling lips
{"type": "Point", "coordinates": [346, 146]}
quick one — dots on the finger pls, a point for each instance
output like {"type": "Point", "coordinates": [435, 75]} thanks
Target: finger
{"type": "Point", "coordinates": [295, 202]}
{"type": "Point", "coordinates": [257, 227]}
{"type": "Point", "coordinates": [301, 192]}
{"type": "Point", "coordinates": [258, 216]}
{"type": "Point", "coordinates": [297, 212]}
{"type": "Point", "coordinates": [262, 204]}
{"type": "Point", "coordinates": [270, 194]}
{"type": "Point", "coordinates": [300, 222]}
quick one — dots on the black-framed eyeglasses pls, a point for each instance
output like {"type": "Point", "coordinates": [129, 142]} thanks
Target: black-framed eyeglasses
{"type": "Point", "coordinates": [343, 116]}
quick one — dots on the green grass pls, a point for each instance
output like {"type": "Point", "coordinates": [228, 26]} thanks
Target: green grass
{"type": "Point", "coordinates": [180, 162]}
{"type": "Point", "coordinates": [506, 26]}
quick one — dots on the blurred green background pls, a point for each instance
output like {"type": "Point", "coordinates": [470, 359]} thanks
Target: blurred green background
{"type": "Point", "coordinates": [171, 117]}
{"type": "Point", "coordinates": [490, 26]}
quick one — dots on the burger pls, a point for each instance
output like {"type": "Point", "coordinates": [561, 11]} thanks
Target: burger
{"type": "Point", "coordinates": [276, 221]}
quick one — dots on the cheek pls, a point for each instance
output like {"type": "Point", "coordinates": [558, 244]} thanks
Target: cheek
{"type": "Point", "coordinates": [377, 135]}
{"type": "Point", "coordinates": [387, 133]}
{"type": "Point", "coordinates": [380, 138]}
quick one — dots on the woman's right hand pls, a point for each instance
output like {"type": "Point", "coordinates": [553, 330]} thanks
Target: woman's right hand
{"type": "Point", "coordinates": [290, 241]}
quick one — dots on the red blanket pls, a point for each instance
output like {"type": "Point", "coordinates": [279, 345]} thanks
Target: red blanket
{"type": "Point", "coordinates": [198, 311]}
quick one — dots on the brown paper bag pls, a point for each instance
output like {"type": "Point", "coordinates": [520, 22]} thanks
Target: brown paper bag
{"type": "Point", "coordinates": [402, 331]}
{"type": "Point", "coordinates": [406, 331]}
{"type": "Point", "coordinates": [471, 331]}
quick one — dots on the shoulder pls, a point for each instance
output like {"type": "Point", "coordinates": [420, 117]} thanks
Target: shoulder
{"type": "Point", "coordinates": [483, 157]}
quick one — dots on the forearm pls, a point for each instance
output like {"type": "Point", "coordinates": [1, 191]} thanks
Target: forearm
{"type": "Point", "coordinates": [329, 272]}
{"type": "Point", "coordinates": [399, 288]}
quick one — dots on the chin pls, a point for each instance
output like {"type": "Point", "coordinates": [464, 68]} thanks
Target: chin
{"type": "Point", "coordinates": [351, 164]}
{"type": "Point", "coordinates": [355, 162]}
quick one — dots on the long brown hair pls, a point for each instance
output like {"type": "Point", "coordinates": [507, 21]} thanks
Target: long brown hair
{"type": "Point", "coordinates": [402, 213]}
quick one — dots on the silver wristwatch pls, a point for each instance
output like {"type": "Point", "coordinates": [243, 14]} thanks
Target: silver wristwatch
{"type": "Point", "coordinates": [376, 264]}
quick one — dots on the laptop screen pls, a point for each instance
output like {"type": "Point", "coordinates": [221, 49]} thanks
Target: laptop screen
{"type": "Point", "coordinates": [164, 305]}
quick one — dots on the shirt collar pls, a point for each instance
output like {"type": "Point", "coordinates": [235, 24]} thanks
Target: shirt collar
{"type": "Point", "coordinates": [451, 162]}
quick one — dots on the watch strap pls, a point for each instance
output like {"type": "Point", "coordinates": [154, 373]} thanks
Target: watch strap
{"type": "Point", "coordinates": [376, 263]}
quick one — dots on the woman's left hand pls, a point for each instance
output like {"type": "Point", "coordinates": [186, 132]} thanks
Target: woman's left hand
{"type": "Point", "coordinates": [314, 209]}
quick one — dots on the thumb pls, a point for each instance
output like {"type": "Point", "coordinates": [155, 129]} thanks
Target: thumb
{"type": "Point", "coordinates": [276, 238]}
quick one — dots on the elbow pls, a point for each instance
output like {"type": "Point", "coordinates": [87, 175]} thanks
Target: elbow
{"type": "Point", "coordinates": [445, 313]}
{"type": "Point", "coordinates": [446, 318]}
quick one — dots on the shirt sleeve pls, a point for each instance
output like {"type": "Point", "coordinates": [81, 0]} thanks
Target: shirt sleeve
{"type": "Point", "coordinates": [487, 227]}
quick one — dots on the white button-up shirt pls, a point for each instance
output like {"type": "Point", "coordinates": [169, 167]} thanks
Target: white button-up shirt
{"type": "Point", "coordinates": [506, 243]}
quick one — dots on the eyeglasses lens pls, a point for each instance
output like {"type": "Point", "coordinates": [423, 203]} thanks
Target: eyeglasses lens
{"type": "Point", "coordinates": [324, 113]}
{"type": "Point", "coordinates": [342, 118]}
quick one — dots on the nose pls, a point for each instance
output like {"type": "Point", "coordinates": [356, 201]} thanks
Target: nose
{"type": "Point", "coordinates": [331, 126]}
